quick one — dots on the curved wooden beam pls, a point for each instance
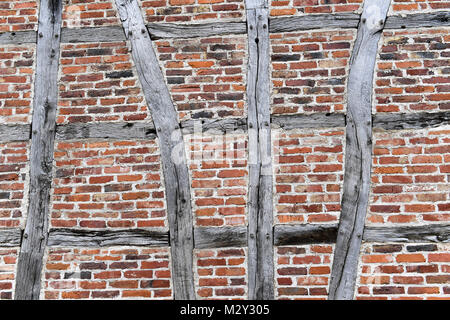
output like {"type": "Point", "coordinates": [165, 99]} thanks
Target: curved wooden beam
{"type": "Point", "coordinates": [358, 151]}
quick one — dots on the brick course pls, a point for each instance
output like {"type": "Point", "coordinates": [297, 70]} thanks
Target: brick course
{"type": "Point", "coordinates": [16, 83]}
{"type": "Point", "coordinates": [412, 71]}
{"type": "Point", "coordinates": [308, 7]}
{"type": "Point", "coordinates": [192, 11]}
{"type": "Point", "coordinates": [89, 13]}
{"type": "Point", "coordinates": [108, 184]}
{"type": "Point", "coordinates": [8, 261]}
{"type": "Point", "coordinates": [410, 177]}
{"type": "Point", "coordinates": [14, 167]}
{"type": "Point", "coordinates": [414, 271]}
{"type": "Point", "coordinates": [308, 174]}
{"type": "Point", "coordinates": [206, 76]}
{"type": "Point", "coordinates": [98, 83]}
{"type": "Point", "coordinates": [309, 71]}
{"type": "Point", "coordinates": [18, 15]}
{"type": "Point", "coordinates": [107, 273]}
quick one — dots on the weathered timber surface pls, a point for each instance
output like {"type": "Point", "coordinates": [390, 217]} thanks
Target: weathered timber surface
{"type": "Point", "coordinates": [317, 21]}
{"type": "Point", "coordinates": [174, 165]}
{"type": "Point", "coordinates": [16, 132]}
{"type": "Point", "coordinates": [10, 237]}
{"type": "Point", "coordinates": [95, 34]}
{"type": "Point", "coordinates": [28, 278]}
{"type": "Point", "coordinates": [260, 193]}
{"type": "Point", "coordinates": [402, 121]}
{"type": "Point", "coordinates": [424, 233]}
{"type": "Point", "coordinates": [358, 151]}
{"type": "Point", "coordinates": [119, 130]}
{"type": "Point", "coordinates": [105, 238]}
{"type": "Point", "coordinates": [419, 20]}
{"type": "Point", "coordinates": [285, 235]}
{"type": "Point", "coordinates": [220, 237]}
{"type": "Point", "coordinates": [316, 120]}
{"type": "Point", "coordinates": [19, 37]}
{"type": "Point", "coordinates": [175, 30]}
{"type": "Point", "coordinates": [213, 126]}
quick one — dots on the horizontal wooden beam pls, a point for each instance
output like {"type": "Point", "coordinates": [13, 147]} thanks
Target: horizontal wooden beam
{"type": "Point", "coordinates": [10, 237]}
{"type": "Point", "coordinates": [303, 121]}
{"type": "Point", "coordinates": [16, 132]}
{"type": "Point", "coordinates": [214, 126]}
{"type": "Point", "coordinates": [424, 233]}
{"type": "Point", "coordinates": [316, 21]}
{"type": "Point", "coordinates": [95, 34]}
{"type": "Point", "coordinates": [419, 20]}
{"type": "Point", "coordinates": [299, 234]}
{"type": "Point", "coordinates": [175, 30]}
{"type": "Point", "coordinates": [105, 238]}
{"type": "Point", "coordinates": [18, 37]}
{"type": "Point", "coordinates": [402, 121]}
{"type": "Point", "coordinates": [220, 237]}
{"type": "Point", "coordinates": [111, 130]}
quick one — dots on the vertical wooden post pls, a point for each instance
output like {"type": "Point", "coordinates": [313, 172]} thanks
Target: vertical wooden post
{"type": "Point", "coordinates": [174, 164]}
{"type": "Point", "coordinates": [28, 278]}
{"type": "Point", "coordinates": [260, 216]}
{"type": "Point", "coordinates": [358, 152]}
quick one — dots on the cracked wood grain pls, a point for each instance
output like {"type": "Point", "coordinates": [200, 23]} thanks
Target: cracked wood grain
{"type": "Point", "coordinates": [28, 278]}
{"type": "Point", "coordinates": [358, 151]}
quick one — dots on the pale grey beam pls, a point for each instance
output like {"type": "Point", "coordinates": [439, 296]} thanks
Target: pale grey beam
{"type": "Point", "coordinates": [358, 151]}
{"type": "Point", "coordinates": [29, 266]}
{"type": "Point", "coordinates": [19, 37]}
{"type": "Point", "coordinates": [14, 132]}
{"type": "Point", "coordinates": [419, 20]}
{"type": "Point", "coordinates": [403, 121]}
{"type": "Point", "coordinates": [316, 21]}
{"type": "Point", "coordinates": [315, 120]}
{"type": "Point", "coordinates": [106, 130]}
{"type": "Point", "coordinates": [220, 237]}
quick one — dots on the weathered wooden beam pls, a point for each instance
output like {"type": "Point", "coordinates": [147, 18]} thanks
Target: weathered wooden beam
{"type": "Point", "coordinates": [419, 20]}
{"type": "Point", "coordinates": [423, 233]}
{"type": "Point", "coordinates": [306, 121]}
{"type": "Point", "coordinates": [19, 37]}
{"type": "Point", "coordinates": [358, 151]}
{"type": "Point", "coordinates": [28, 278]}
{"type": "Point", "coordinates": [173, 158]}
{"type": "Point", "coordinates": [402, 121]}
{"type": "Point", "coordinates": [260, 193]}
{"type": "Point", "coordinates": [16, 132]}
{"type": "Point", "coordinates": [10, 237]}
{"type": "Point", "coordinates": [316, 21]}
{"type": "Point", "coordinates": [175, 30]}
{"type": "Point", "coordinates": [299, 234]}
{"type": "Point", "coordinates": [111, 130]}
{"type": "Point", "coordinates": [92, 34]}
{"type": "Point", "coordinates": [215, 126]}
{"type": "Point", "coordinates": [220, 237]}
{"type": "Point", "coordinates": [105, 238]}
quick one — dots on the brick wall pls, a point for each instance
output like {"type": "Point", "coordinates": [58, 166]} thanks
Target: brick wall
{"type": "Point", "coordinates": [107, 273]}
{"type": "Point", "coordinates": [308, 174]}
{"type": "Point", "coordinates": [410, 180]}
{"type": "Point", "coordinates": [108, 184]}
{"type": "Point", "coordinates": [218, 168]}
{"type": "Point", "coordinates": [8, 260]}
{"type": "Point", "coordinates": [18, 15]}
{"type": "Point", "coordinates": [412, 71]}
{"type": "Point", "coordinates": [404, 271]}
{"type": "Point", "coordinates": [206, 76]}
{"type": "Point", "coordinates": [192, 11]}
{"type": "Point", "coordinates": [89, 13]}
{"type": "Point", "coordinates": [299, 7]}
{"type": "Point", "coordinates": [221, 273]}
{"type": "Point", "coordinates": [14, 169]}
{"type": "Point", "coordinates": [413, 6]}
{"type": "Point", "coordinates": [98, 83]}
{"type": "Point", "coordinates": [302, 272]}
{"type": "Point", "coordinates": [16, 83]}
{"type": "Point", "coordinates": [309, 71]}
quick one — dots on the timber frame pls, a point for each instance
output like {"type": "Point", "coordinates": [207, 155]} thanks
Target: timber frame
{"type": "Point", "coordinates": [261, 235]}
